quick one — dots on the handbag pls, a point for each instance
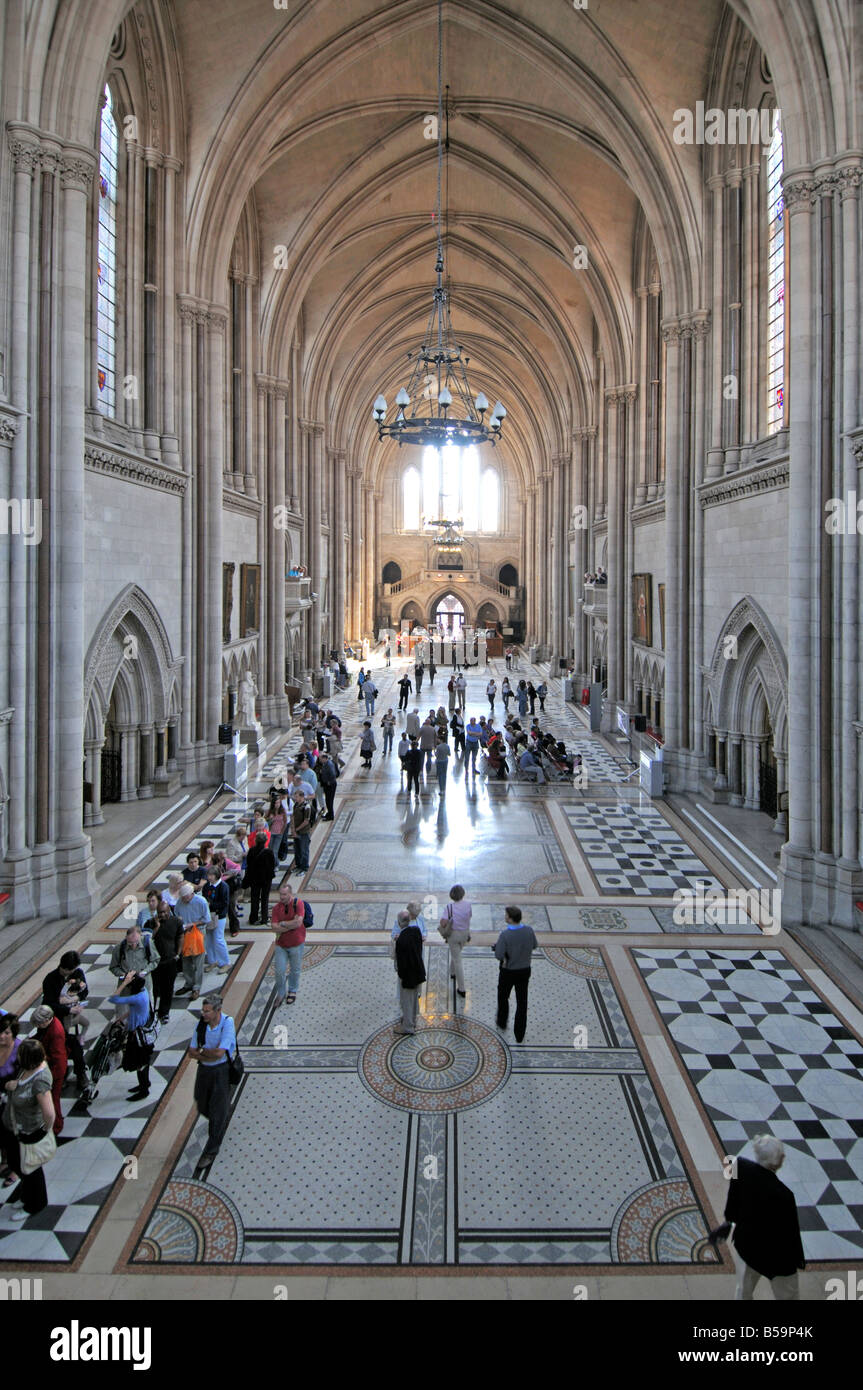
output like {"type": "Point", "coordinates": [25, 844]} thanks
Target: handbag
{"type": "Point", "coordinates": [35, 1154]}
{"type": "Point", "coordinates": [446, 927]}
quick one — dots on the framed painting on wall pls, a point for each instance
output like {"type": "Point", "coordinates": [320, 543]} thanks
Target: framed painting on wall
{"type": "Point", "coordinates": [642, 626]}
{"type": "Point", "coordinates": [661, 589]}
{"type": "Point", "coordinates": [227, 600]}
{"type": "Point", "coordinates": [250, 599]}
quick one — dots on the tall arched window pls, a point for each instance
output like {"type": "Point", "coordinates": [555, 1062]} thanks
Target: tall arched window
{"type": "Point", "coordinates": [106, 270]}
{"type": "Point", "coordinates": [775, 284]}
{"type": "Point", "coordinates": [452, 485]}
{"type": "Point", "coordinates": [411, 500]}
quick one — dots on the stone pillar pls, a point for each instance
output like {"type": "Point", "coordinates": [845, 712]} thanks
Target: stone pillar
{"type": "Point", "coordinates": [314, 442]}
{"type": "Point", "coordinates": [15, 868]}
{"type": "Point", "coordinates": [700, 330]}
{"type": "Point", "coordinates": [77, 890]}
{"type": "Point", "coordinates": [720, 783]}
{"type": "Point", "coordinates": [212, 461]}
{"type": "Point", "coordinates": [167, 364]}
{"type": "Point", "coordinates": [93, 755]}
{"type": "Point", "coordinates": [732, 311]}
{"type": "Point", "coordinates": [128, 761]}
{"type": "Point", "coordinates": [716, 453]}
{"type": "Point", "coordinates": [337, 545]}
{"type": "Point", "coordinates": [376, 563]}
{"type": "Point", "coordinates": [146, 762]}
{"type": "Point", "coordinates": [804, 502]}
{"type": "Point", "coordinates": [559, 596]}
{"type": "Point", "coordinates": [677, 334]}
{"type": "Point", "coordinates": [780, 824]}
{"type": "Point", "coordinates": [541, 553]}
{"type": "Point", "coordinates": [614, 397]}
{"type": "Point", "coordinates": [850, 575]}
{"type": "Point", "coordinates": [750, 383]}
{"type": "Point", "coordinates": [368, 559]}
{"type": "Point", "coordinates": [530, 565]}
{"type": "Point", "coordinates": [584, 437]}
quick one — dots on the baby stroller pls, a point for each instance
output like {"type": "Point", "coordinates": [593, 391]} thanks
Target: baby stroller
{"type": "Point", "coordinates": [104, 1056]}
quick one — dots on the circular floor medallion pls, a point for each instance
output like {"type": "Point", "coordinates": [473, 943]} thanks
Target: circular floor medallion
{"type": "Point", "coordinates": [440, 1068]}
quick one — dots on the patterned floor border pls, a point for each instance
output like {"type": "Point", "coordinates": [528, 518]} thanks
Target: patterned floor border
{"type": "Point", "coordinates": [770, 946]}
{"type": "Point", "coordinates": [200, 1222]}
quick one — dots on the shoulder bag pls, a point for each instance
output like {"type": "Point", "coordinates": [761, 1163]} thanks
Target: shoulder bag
{"type": "Point", "coordinates": [236, 1066]}
{"type": "Point", "coordinates": [446, 927]}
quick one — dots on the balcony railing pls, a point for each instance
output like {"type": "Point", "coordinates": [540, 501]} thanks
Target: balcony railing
{"type": "Point", "coordinates": [596, 600]}
{"type": "Point", "coordinates": [298, 595]}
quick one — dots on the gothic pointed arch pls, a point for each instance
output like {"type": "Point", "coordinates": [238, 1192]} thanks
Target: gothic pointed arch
{"type": "Point", "coordinates": [749, 658]}
{"type": "Point", "coordinates": [130, 651]}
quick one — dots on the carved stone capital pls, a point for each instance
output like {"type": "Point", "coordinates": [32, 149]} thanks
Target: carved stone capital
{"type": "Point", "coordinates": [26, 156]}
{"type": "Point", "coordinates": [8, 429]}
{"type": "Point", "coordinates": [800, 193]}
{"type": "Point", "coordinates": [76, 171]}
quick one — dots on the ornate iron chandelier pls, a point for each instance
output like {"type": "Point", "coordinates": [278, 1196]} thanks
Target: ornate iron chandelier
{"type": "Point", "coordinates": [437, 408]}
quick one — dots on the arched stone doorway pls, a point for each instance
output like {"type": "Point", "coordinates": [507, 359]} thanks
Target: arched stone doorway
{"type": "Point", "coordinates": [448, 614]}
{"type": "Point", "coordinates": [412, 614]}
{"type": "Point", "coordinates": [508, 574]}
{"type": "Point", "coordinates": [745, 726]}
{"type": "Point", "coordinates": [133, 710]}
{"type": "Point", "coordinates": [391, 573]}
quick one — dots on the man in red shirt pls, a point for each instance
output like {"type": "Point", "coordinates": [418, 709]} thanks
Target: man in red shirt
{"type": "Point", "coordinates": [287, 922]}
{"type": "Point", "coordinates": [52, 1035]}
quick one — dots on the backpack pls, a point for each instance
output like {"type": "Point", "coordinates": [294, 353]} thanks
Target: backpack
{"type": "Point", "coordinates": [313, 811]}
{"type": "Point", "coordinates": [308, 915]}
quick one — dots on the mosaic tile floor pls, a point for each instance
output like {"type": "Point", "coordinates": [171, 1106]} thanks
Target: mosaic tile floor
{"type": "Point", "coordinates": [633, 851]}
{"type": "Point", "coordinates": [83, 1173]}
{"type": "Point", "coordinates": [385, 1152]}
{"type": "Point", "coordinates": [585, 1168]}
{"type": "Point", "coordinates": [766, 1053]}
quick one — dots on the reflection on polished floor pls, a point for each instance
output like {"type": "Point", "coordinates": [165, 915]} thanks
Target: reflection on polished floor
{"type": "Point", "coordinates": [594, 1148]}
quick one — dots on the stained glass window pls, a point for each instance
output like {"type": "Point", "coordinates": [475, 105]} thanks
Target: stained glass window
{"type": "Point", "coordinates": [775, 285]}
{"type": "Point", "coordinates": [106, 268]}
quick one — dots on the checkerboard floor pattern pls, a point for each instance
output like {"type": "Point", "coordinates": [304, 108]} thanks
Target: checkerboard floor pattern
{"type": "Point", "coordinates": [632, 850]}
{"type": "Point", "coordinates": [767, 1055]}
{"type": "Point", "coordinates": [81, 1176]}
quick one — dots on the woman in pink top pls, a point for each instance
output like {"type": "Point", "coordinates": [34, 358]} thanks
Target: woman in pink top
{"type": "Point", "coordinates": [457, 915]}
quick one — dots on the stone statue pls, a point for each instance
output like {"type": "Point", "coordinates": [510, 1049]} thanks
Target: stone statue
{"type": "Point", "coordinates": [248, 694]}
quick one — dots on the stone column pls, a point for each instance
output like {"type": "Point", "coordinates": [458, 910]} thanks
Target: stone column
{"type": "Point", "coordinates": [721, 781]}
{"type": "Point", "coordinates": [614, 397]}
{"type": "Point", "coordinates": [93, 755]}
{"type": "Point", "coordinates": [542, 568]}
{"type": "Point", "coordinates": [77, 890]}
{"type": "Point", "coordinates": [780, 824]}
{"type": "Point", "coordinates": [167, 364]}
{"type": "Point", "coordinates": [128, 761]}
{"type": "Point", "coordinates": [677, 336]}
{"type": "Point", "coordinates": [716, 453]}
{"type": "Point", "coordinates": [750, 385]}
{"type": "Point", "coordinates": [559, 596]}
{"type": "Point", "coordinates": [530, 566]}
{"type": "Point", "coordinates": [314, 442]}
{"type": "Point", "coordinates": [850, 575]}
{"type": "Point", "coordinates": [337, 545]}
{"type": "Point", "coordinates": [212, 465]}
{"type": "Point", "coordinates": [15, 868]}
{"type": "Point", "coordinates": [188, 315]}
{"type": "Point", "coordinates": [733, 308]}
{"type": "Point", "coordinates": [368, 559]}
{"type": "Point", "coordinates": [146, 762]}
{"type": "Point", "coordinates": [584, 437]}
{"type": "Point", "coordinates": [250, 476]}
{"type": "Point", "coordinates": [654, 413]}
{"type": "Point", "coordinates": [804, 502]}
{"type": "Point", "coordinates": [376, 564]}
{"type": "Point", "coordinates": [700, 331]}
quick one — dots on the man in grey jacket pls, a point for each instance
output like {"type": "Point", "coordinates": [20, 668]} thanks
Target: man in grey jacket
{"type": "Point", "coordinates": [137, 955]}
{"type": "Point", "coordinates": [513, 949]}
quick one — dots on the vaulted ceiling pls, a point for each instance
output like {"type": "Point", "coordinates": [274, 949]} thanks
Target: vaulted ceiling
{"type": "Point", "coordinates": [560, 135]}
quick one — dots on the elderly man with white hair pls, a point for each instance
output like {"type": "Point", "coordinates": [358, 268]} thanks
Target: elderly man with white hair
{"type": "Point", "coordinates": [193, 911]}
{"type": "Point", "coordinates": [766, 1227]}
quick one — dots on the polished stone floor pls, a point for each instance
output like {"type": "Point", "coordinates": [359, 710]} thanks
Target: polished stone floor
{"type": "Point", "coordinates": [596, 1146]}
